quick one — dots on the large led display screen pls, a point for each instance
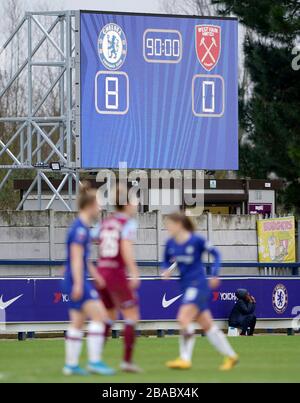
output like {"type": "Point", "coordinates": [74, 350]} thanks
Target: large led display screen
{"type": "Point", "coordinates": [158, 91]}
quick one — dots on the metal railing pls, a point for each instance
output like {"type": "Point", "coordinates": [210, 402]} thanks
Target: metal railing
{"type": "Point", "coordinates": [267, 269]}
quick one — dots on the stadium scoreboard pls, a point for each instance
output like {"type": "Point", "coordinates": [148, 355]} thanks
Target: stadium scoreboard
{"type": "Point", "coordinates": [158, 91]}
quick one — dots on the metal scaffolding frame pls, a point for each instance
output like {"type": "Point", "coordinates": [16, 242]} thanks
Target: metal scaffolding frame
{"type": "Point", "coordinates": [41, 137]}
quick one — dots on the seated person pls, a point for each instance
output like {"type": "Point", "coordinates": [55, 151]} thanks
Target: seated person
{"type": "Point", "coordinates": [242, 315]}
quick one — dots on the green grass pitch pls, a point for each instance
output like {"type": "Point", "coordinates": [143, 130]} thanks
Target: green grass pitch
{"type": "Point", "coordinates": [262, 359]}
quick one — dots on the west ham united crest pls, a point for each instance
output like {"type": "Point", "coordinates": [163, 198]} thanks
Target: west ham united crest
{"type": "Point", "coordinates": [112, 46]}
{"type": "Point", "coordinates": [208, 45]}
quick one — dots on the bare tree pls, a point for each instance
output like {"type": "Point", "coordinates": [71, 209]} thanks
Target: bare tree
{"type": "Point", "coordinates": [12, 57]}
{"type": "Point", "coordinates": [14, 101]}
{"type": "Point", "coordinates": [190, 7]}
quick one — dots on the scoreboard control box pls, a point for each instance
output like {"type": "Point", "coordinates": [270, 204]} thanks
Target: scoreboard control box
{"type": "Point", "coordinates": [157, 91]}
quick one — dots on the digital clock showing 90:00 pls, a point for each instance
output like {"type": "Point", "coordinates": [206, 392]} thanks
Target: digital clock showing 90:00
{"type": "Point", "coordinates": [162, 46]}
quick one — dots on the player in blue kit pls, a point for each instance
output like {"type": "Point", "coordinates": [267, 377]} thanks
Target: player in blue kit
{"type": "Point", "coordinates": [84, 303]}
{"type": "Point", "coordinates": [185, 250]}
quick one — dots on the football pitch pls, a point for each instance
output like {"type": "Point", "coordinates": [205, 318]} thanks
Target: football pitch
{"type": "Point", "coordinates": [269, 358]}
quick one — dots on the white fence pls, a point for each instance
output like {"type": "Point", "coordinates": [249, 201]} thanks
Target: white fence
{"type": "Point", "coordinates": [27, 235]}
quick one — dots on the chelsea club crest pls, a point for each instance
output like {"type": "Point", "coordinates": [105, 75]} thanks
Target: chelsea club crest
{"type": "Point", "coordinates": [280, 298]}
{"type": "Point", "coordinates": [112, 46]}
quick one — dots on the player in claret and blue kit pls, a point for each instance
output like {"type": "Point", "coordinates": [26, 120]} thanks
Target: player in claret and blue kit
{"type": "Point", "coordinates": [115, 235]}
{"type": "Point", "coordinates": [84, 300]}
{"type": "Point", "coordinates": [185, 250]}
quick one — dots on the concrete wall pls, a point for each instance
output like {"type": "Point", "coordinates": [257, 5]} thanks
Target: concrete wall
{"type": "Point", "coordinates": [27, 235]}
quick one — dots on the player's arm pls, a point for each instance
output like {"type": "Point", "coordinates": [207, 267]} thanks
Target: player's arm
{"type": "Point", "coordinates": [167, 273]}
{"type": "Point", "coordinates": [95, 236]}
{"type": "Point", "coordinates": [99, 280]}
{"type": "Point", "coordinates": [127, 254]}
{"type": "Point", "coordinates": [77, 252]}
{"type": "Point", "coordinates": [215, 268]}
{"type": "Point", "coordinates": [168, 266]}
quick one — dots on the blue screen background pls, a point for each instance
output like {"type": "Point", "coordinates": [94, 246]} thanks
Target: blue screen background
{"type": "Point", "coordinates": [159, 130]}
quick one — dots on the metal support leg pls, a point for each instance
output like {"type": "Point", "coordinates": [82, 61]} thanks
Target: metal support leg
{"type": "Point", "coordinates": [35, 140]}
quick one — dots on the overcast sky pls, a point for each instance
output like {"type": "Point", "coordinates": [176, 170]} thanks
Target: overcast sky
{"type": "Point", "coordinates": [110, 5]}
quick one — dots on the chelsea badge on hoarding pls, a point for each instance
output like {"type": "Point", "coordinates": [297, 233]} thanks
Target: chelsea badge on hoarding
{"type": "Point", "coordinates": [112, 46]}
{"type": "Point", "coordinates": [280, 298]}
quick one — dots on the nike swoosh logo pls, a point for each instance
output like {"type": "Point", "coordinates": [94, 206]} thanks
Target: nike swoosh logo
{"type": "Point", "coordinates": [4, 305]}
{"type": "Point", "coordinates": [167, 303]}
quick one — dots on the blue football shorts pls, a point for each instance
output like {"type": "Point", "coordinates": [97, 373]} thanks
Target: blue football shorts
{"type": "Point", "coordinates": [89, 293]}
{"type": "Point", "coordinates": [197, 296]}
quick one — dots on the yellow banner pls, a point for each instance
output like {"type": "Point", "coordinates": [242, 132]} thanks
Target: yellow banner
{"type": "Point", "coordinates": [276, 240]}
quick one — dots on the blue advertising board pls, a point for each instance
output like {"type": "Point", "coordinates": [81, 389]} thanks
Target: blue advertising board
{"type": "Point", "coordinates": [42, 300]}
{"type": "Point", "coordinates": [158, 91]}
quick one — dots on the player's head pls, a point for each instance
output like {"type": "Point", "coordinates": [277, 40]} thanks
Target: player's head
{"type": "Point", "coordinates": [87, 200]}
{"type": "Point", "coordinates": [178, 222]}
{"type": "Point", "coordinates": [125, 203]}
